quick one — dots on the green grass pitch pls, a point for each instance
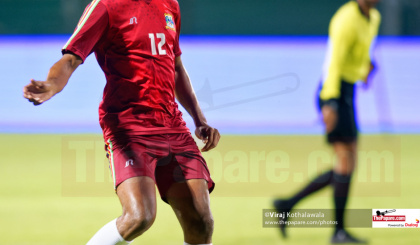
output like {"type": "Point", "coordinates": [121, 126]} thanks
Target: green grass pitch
{"type": "Point", "coordinates": [55, 189]}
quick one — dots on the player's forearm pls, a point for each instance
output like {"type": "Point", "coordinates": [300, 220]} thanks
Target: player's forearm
{"type": "Point", "coordinates": [192, 107]}
{"type": "Point", "coordinates": [61, 71]}
{"type": "Point", "coordinates": [185, 94]}
{"type": "Point", "coordinates": [331, 87]}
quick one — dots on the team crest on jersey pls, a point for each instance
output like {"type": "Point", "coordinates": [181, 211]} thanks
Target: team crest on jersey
{"type": "Point", "coordinates": [170, 24]}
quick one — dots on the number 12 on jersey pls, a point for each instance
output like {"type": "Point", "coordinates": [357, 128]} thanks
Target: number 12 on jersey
{"type": "Point", "coordinates": [162, 42]}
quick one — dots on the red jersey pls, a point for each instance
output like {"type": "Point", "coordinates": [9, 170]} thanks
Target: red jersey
{"type": "Point", "coordinates": [135, 43]}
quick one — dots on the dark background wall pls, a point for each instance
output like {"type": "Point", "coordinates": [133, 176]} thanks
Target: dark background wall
{"type": "Point", "coordinates": [294, 17]}
{"type": "Point", "coordinates": [234, 17]}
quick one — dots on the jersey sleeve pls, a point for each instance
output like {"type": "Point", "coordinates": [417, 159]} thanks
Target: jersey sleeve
{"type": "Point", "coordinates": [341, 37]}
{"type": "Point", "coordinates": [177, 49]}
{"type": "Point", "coordinates": [92, 26]}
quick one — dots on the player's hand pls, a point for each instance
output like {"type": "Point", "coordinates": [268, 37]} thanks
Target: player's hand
{"type": "Point", "coordinates": [369, 77]}
{"type": "Point", "coordinates": [210, 137]}
{"type": "Point", "coordinates": [38, 92]}
{"type": "Point", "coordinates": [329, 115]}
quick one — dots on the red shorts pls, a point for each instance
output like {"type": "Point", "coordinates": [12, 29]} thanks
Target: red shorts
{"type": "Point", "coordinates": [166, 158]}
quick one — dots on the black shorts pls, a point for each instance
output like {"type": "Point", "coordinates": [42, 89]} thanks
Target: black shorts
{"type": "Point", "coordinates": [346, 128]}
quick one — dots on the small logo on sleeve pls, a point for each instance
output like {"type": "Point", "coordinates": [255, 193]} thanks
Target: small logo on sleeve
{"type": "Point", "coordinates": [170, 24]}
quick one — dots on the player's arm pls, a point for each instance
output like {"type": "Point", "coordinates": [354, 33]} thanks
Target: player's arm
{"type": "Point", "coordinates": [185, 94]}
{"type": "Point", "coordinates": [38, 92]}
{"type": "Point", "coordinates": [91, 28]}
{"type": "Point", "coordinates": [373, 65]}
{"type": "Point", "coordinates": [341, 39]}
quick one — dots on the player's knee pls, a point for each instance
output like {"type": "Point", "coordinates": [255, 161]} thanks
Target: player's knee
{"type": "Point", "coordinates": [346, 162]}
{"type": "Point", "coordinates": [143, 221]}
{"type": "Point", "coordinates": [139, 222]}
{"type": "Point", "coordinates": [344, 169]}
{"type": "Point", "coordinates": [203, 226]}
{"type": "Point", "coordinates": [208, 224]}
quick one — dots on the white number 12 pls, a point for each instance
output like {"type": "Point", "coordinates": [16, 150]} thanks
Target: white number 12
{"type": "Point", "coordinates": [162, 42]}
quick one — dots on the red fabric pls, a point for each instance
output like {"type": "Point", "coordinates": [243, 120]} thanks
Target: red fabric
{"type": "Point", "coordinates": [139, 94]}
{"type": "Point", "coordinates": [166, 158]}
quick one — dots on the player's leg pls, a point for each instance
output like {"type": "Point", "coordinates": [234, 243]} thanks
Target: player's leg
{"type": "Point", "coordinates": [344, 141]}
{"type": "Point", "coordinates": [286, 205]}
{"type": "Point", "coordinates": [318, 183]}
{"type": "Point", "coordinates": [339, 178]}
{"type": "Point", "coordinates": [346, 162]}
{"type": "Point", "coordinates": [346, 153]}
{"type": "Point", "coordinates": [191, 203]}
{"type": "Point", "coordinates": [184, 182]}
{"type": "Point", "coordinates": [132, 163]}
{"type": "Point", "coordinates": [138, 199]}
{"type": "Point", "coordinates": [315, 185]}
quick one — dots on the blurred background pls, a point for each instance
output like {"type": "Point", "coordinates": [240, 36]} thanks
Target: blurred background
{"type": "Point", "coordinates": [272, 52]}
{"type": "Point", "coordinates": [255, 66]}
{"type": "Point", "coordinates": [215, 17]}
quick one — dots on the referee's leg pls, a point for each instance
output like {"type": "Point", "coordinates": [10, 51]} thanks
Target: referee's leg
{"type": "Point", "coordinates": [346, 153]}
{"type": "Point", "coordinates": [190, 201]}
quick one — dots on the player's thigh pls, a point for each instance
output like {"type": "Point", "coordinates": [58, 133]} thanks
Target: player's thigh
{"type": "Point", "coordinates": [190, 201]}
{"type": "Point", "coordinates": [346, 153]}
{"type": "Point", "coordinates": [138, 197]}
{"type": "Point", "coordinates": [185, 163]}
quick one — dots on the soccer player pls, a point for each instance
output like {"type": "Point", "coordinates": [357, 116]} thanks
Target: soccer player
{"type": "Point", "coordinates": [351, 34]}
{"type": "Point", "coordinates": [136, 44]}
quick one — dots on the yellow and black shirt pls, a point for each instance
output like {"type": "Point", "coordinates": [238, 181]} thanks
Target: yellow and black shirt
{"type": "Point", "coordinates": [351, 35]}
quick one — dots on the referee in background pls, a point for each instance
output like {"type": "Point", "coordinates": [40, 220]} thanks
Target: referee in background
{"type": "Point", "coordinates": [352, 31]}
